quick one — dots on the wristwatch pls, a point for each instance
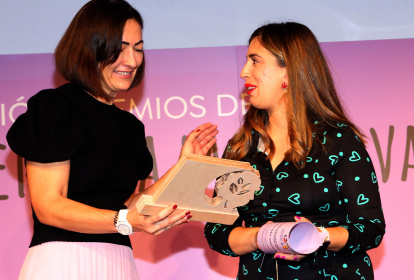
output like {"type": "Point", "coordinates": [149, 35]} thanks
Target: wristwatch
{"type": "Point", "coordinates": [122, 224]}
{"type": "Point", "coordinates": [324, 231]}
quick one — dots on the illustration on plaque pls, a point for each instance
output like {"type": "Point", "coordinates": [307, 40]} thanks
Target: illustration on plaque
{"type": "Point", "coordinates": [236, 183]}
{"type": "Point", "coordinates": [234, 189]}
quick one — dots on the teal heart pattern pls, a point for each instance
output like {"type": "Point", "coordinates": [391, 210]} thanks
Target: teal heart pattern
{"type": "Point", "coordinates": [360, 227]}
{"type": "Point", "coordinates": [318, 178]}
{"type": "Point", "coordinates": [325, 208]}
{"type": "Point", "coordinates": [256, 255]}
{"type": "Point", "coordinates": [334, 159]}
{"type": "Point", "coordinates": [294, 198]}
{"type": "Point", "coordinates": [273, 212]}
{"type": "Point", "coordinates": [245, 271]}
{"type": "Point", "coordinates": [259, 192]}
{"type": "Point", "coordinates": [366, 259]}
{"type": "Point", "coordinates": [374, 178]}
{"type": "Point", "coordinates": [355, 156]}
{"type": "Point", "coordinates": [362, 199]}
{"type": "Point", "coordinates": [215, 228]}
{"type": "Point", "coordinates": [310, 185]}
{"type": "Point", "coordinates": [282, 175]}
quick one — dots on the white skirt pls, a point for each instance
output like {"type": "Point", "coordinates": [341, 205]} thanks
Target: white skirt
{"type": "Point", "coordinates": [78, 261]}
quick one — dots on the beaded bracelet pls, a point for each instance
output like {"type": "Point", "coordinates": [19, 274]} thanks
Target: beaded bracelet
{"type": "Point", "coordinates": [116, 218]}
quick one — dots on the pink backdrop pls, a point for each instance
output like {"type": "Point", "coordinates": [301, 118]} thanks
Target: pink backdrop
{"type": "Point", "coordinates": [186, 87]}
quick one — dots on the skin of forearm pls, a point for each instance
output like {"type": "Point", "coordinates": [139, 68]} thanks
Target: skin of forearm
{"type": "Point", "coordinates": [74, 216]}
{"type": "Point", "coordinates": [339, 237]}
{"type": "Point", "coordinates": [151, 189]}
{"type": "Point", "coordinates": [243, 240]}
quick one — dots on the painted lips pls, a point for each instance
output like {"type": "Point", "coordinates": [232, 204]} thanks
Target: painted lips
{"type": "Point", "coordinates": [250, 88]}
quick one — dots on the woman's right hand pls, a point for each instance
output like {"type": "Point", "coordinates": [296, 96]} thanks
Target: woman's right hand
{"type": "Point", "coordinates": [200, 140]}
{"type": "Point", "coordinates": [157, 223]}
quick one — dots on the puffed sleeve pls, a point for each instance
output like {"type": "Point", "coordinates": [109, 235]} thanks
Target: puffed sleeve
{"type": "Point", "coordinates": [49, 131]}
{"type": "Point", "coordinates": [358, 186]}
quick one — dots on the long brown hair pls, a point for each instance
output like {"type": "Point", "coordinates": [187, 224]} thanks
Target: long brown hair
{"type": "Point", "coordinates": [93, 41]}
{"type": "Point", "coordinates": [312, 101]}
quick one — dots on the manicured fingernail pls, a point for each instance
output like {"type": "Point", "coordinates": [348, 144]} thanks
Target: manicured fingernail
{"type": "Point", "coordinates": [175, 206]}
{"type": "Point", "coordinates": [197, 130]}
{"type": "Point", "coordinates": [277, 256]}
{"type": "Point", "coordinates": [186, 213]}
{"type": "Point", "coordinates": [189, 217]}
{"type": "Point", "coordinates": [295, 258]}
{"type": "Point", "coordinates": [297, 217]}
{"type": "Point", "coordinates": [283, 257]}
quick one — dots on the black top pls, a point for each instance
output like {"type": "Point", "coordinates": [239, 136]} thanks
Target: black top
{"type": "Point", "coordinates": [335, 188]}
{"type": "Point", "coordinates": [105, 145]}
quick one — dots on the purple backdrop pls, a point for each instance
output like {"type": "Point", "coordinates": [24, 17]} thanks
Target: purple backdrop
{"type": "Point", "coordinates": [186, 87]}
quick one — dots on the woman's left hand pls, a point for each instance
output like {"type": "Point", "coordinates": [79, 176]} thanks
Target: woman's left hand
{"type": "Point", "coordinates": [200, 140]}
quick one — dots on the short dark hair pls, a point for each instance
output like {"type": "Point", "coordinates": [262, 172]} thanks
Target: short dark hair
{"type": "Point", "coordinates": [93, 41]}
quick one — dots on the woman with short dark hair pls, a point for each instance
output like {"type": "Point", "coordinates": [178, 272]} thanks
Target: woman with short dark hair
{"type": "Point", "coordinates": [84, 156]}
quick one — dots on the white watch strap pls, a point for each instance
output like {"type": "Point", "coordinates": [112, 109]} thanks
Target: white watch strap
{"type": "Point", "coordinates": [122, 224]}
{"type": "Point", "coordinates": [122, 215]}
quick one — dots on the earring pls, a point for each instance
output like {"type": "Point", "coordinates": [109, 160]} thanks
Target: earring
{"type": "Point", "coordinates": [284, 85]}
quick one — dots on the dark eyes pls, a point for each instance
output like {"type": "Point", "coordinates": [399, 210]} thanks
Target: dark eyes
{"type": "Point", "coordinates": [233, 188]}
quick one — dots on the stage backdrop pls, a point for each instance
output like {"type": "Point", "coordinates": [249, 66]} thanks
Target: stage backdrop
{"type": "Point", "coordinates": [186, 87]}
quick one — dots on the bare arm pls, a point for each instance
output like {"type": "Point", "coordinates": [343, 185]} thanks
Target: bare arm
{"type": "Point", "coordinates": [199, 141]}
{"type": "Point", "coordinates": [243, 240]}
{"type": "Point", "coordinates": [48, 186]}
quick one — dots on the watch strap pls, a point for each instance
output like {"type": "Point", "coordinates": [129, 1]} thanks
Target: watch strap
{"type": "Point", "coordinates": [122, 224]}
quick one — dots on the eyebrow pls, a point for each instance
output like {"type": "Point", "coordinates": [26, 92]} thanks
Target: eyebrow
{"type": "Point", "coordinates": [126, 43]}
{"type": "Point", "coordinates": [254, 55]}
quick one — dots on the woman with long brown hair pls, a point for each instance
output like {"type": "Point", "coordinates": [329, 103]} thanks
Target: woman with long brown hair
{"type": "Point", "coordinates": [312, 162]}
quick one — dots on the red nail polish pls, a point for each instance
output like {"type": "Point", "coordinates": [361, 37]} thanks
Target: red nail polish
{"type": "Point", "coordinates": [197, 130]}
{"type": "Point", "coordinates": [175, 206]}
{"type": "Point", "coordinates": [186, 213]}
{"type": "Point", "coordinates": [189, 217]}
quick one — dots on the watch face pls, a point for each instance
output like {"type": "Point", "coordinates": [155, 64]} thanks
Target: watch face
{"type": "Point", "coordinates": [124, 229]}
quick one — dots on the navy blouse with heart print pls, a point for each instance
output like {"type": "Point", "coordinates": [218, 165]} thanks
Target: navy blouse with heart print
{"type": "Point", "coordinates": [337, 187]}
